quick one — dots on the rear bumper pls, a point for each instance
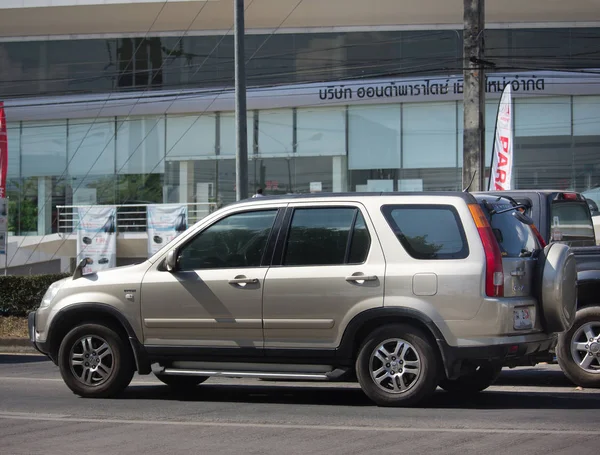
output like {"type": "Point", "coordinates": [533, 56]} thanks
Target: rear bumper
{"type": "Point", "coordinates": [526, 353]}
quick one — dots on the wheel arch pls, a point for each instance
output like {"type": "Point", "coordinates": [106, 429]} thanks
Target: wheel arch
{"type": "Point", "coordinates": [364, 323]}
{"type": "Point", "coordinates": [98, 313]}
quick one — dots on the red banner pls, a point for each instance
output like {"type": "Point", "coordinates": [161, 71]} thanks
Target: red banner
{"type": "Point", "coordinates": [3, 152]}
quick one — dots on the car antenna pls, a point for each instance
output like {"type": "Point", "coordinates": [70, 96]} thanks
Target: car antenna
{"type": "Point", "coordinates": [466, 190]}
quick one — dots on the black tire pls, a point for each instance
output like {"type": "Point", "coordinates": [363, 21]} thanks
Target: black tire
{"type": "Point", "coordinates": [120, 357]}
{"type": "Point", "coordinates": [570, 366]}
{"type": "Point", "coordinates": [181, 382]}
{"type": "Point", "coordinates": [476, 381]}
{"type": "Point", "coordinates": [418, 387]}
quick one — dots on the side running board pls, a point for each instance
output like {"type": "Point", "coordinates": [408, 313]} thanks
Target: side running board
{"type": "Point", "coordinates": [332, 375]}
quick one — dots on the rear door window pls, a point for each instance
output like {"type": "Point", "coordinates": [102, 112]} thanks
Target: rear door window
{"type": "Point", "coordinates": [327, 236]}
{"type": "Point", "coordinates": [428, 231]}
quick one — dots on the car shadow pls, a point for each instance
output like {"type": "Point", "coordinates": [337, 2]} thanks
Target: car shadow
{"type": "Point", "coordinates": [534, 377]}
{"type": "Point", "coordinates": [353, 396]}
{"type": "Point", "coordinates": [13, 359]}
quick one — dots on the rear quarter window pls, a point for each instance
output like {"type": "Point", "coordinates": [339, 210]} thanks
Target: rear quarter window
{"type": "Point", "coordinates": [428, 231]}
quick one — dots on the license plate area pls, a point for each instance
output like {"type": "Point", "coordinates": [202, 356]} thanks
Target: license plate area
{"type": "Point", "coordinates": [522, 319]}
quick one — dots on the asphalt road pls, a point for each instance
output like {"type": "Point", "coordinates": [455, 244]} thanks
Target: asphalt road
{"type": "Point", "coordinates": [530, 411]}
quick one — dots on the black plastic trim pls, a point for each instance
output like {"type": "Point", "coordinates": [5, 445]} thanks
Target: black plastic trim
{"type": "Point", "coordinates": [161, 353]}
{"type": "Point", "coordinates": [269, 253]}
{"type": "Point", "coordinates": [347, 348]}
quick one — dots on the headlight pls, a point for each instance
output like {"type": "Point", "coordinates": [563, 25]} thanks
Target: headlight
{"type": "Point", "coordinates": [51, 293]}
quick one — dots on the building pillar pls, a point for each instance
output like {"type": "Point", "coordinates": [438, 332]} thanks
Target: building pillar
{"type": "Point", "coordinates": [44, 201]}
{"type": "Point", "coordinates": [340, 174]}
{"type": "Point", "coordinates": [186, 182]}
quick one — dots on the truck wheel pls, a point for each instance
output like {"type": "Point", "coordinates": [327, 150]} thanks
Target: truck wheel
{"type": "Point", "coordinates": [397, 366]}
{"type": "Point", "coordinates": [95, 362]}
{"type": "Point", "coordinates": [476, 381]}
{"type": "Point", "coordinates": [181, 382]}
{"type": "Point", "coordinates": [578, 349]}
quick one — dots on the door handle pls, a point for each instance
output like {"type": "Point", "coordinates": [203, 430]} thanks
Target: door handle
{"type": "Point", "coordinates": [518, 273]}
{"type": "Point", "coordinates": [361, 278]}
{"type": "Point", "coordinates": [243, 281]}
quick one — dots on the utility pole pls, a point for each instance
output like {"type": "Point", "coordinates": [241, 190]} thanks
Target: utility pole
{"type": "Point", "coordinates": [241, 125]}
{"type": "Point", "coordinates": [474, 95]}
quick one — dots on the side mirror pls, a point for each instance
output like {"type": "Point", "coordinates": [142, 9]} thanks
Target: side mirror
{"type": "Point", "coordinates": [78, 273]}
{"type": "Point", "coordinates": [171, 261]}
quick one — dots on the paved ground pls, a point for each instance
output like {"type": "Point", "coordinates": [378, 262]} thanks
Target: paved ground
{"type": "Point", "coordinates": [530, 411]}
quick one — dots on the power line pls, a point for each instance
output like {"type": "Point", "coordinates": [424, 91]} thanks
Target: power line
{"type": "Point", "coordinates": [198, 117]}
{"type": "Point", "coordinates": [95, 119]}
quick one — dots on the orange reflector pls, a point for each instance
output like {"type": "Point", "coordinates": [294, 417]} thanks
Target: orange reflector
{"type": "Point", "coordinates": [478, 216]}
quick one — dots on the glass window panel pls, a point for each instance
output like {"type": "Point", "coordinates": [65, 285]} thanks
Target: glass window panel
{"type": "Point", "coordinates": [491, 109]}
{"type": "Point", "coordinates": [319, 236]}
{"type": "Point", "coordinates": [13, 131]}
{"type": "Point", "coordinates": [190, 137]}
{"type": "Point", "coordinates": [586, 115]}
{"type": "Point", "coordinates": [140, 145]}
{"type": "Point", "coordinates": [91, 147]}
{"type": "Point", "coordinates": [227, 134]}
{"type": "Point", "coordinates": [236, 241]}
{"type": "Point", "coordinates": [428, 135]}
{"type": "Point", "coordinates": [275, 132]}
{"type": "Point", "coordinates": [543, 116]}
{"type": "Point", "coordinates": [428, 232]}
{"type": "Point", "coordinates": [374, 137]}
{"type": "Point", "coordinates": [321, 132]}
{"type": "Point", "coordinates": [44, 148]}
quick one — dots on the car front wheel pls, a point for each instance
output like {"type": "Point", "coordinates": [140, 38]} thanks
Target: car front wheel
{"type": "Point", "coordinates": [95, 362]}
{"type": "Point", "coordinates": [397, 366]}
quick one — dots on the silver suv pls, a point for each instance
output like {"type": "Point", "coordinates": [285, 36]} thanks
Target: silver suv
{"type": "Point", "coordinates": [407, 291]}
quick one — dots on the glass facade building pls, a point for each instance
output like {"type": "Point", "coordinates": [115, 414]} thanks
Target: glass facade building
{"type": "Point", "coordinates": [339, 143]}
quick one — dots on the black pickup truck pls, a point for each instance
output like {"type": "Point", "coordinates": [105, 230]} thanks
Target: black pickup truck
{"type": "Point", "coordinates": [563, 216]}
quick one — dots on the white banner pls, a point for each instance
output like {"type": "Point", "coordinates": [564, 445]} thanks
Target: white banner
{"type": "Point", "coordinates": [3, 215]}
{"type": "Point", "coordinates": [165, 222]}
{"type": "Point", "coordinates": [502, 154]}
{"type": "Point", "coordinates": [97, 237]}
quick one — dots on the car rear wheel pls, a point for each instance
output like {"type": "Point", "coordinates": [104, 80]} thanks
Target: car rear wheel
{"type": "Point", "coordinates": [475, 381]}
{"type": "Point", "coordinates": [578, 349]}
{"type": "Point", "coordinates": [397, 366]}
{"type": "Point", "coordinates": [181, 382]}
{"type": "Point", "coordinates": [95, 362]}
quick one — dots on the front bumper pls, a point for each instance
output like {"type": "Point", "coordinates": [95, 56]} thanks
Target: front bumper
{"type": "Point", "coordinates": [41, 347]}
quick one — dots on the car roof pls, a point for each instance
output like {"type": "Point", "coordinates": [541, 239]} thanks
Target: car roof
{"type": "Point", "coordinates": [467, 197]}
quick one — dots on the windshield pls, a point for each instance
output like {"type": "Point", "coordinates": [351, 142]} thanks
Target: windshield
{"type": "Point", "coordinates": [570, 220]}
{"type": "Point", "coordinates": [515, 238]}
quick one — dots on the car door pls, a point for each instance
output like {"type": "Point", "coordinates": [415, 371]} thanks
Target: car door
{"type": "Point", "coordinates": [328, 266]}
{"type": "Point", "coordinates": [214, 296]}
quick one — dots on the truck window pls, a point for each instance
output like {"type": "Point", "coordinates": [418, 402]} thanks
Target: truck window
{"type": "Point", "coordinates": [570, 220]}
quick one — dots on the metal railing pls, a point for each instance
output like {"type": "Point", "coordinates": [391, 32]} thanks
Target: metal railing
{"type": "Point", "coordinates": [130, 217]}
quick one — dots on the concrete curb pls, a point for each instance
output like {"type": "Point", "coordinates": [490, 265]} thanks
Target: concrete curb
{"type": "Point", "coordinates": [16, 345]}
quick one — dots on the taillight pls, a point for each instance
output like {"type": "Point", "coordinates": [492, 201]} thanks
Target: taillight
{"type": "Point", "coordinates": [538, 236]}
{"type": "Point", "coordinates": [569, 196]}
{"type": "Point", "coordinates": [494, 274]}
